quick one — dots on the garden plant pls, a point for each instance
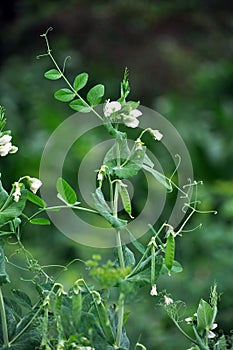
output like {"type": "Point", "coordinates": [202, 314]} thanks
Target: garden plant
{"type": "Point", "coordinates": [92, 313]}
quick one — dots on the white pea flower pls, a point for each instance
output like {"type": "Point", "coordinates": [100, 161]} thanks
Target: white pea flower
{"type": "Point", "coordinates": [130, 119]}
{"type": "Point", "coordinates": [153, 291]}
{"type": "Point", "coordinates": [5, 139]}
{"type": "Point", "coordinates": [17, 192]}
{"type": "Point", "coordinates": [5, 149]}
{"type": "Point", "coordinates": [157, 134]}
{"type": "Point", "coordinates": [6, 146]}
{"type": "Point", "coordinates": [189, 320]}
{"type": "Point", "coordinates": [210, 333]}
{"type": "Point", "coordinates": [168, 300]}
{"type": "Point", "coordinates": [111, 107]}
{"type": "Point", "coordinates": [139, 145]}
{"type": "Point", "coordinates": [35, 184]}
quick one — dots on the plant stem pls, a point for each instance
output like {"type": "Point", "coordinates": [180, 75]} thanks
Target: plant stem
{"type": "Point", "coordinates": [120, 319]}
{"type": "Point", "coordinates": [4, 323]}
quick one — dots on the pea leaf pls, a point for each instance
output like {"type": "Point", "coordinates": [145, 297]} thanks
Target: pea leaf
{"type": "Point", "coordinates": [53, 74]}
{"type": "Point", "coordinates": [80, 81]}
{"type": "Point", "coordinates": [64, 95]}
{"type": "Point", "coordinates": [102, 207]}
{"type": "Point", "coordinates": [80, 106]}
{"type": "Point", "coordinates": [33, 198]}
{"type": "Point", "coordinates": [9, 209]}
{"type": "Point", "coordinates": [95, 95]}
{"type": "Point", "coordinates": [66, 191]}
{"type": "Point", "coordinates": [22, 298]}
{"type": "Point", "coordinates": [39, 221]}
{"type": "Point", "coordinates": [4, 278]}
{"type": "Point", "coordinates": [158, 176]}
{"type": "Point", "coordinates": [205, 315]}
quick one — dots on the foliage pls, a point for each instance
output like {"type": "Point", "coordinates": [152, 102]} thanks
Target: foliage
{"type": "Point", "coordinates": [84, 317]}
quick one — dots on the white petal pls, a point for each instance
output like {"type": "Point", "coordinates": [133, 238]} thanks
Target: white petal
{"type": "Point", "coordinates": [5, 139]}
{"type": "Point", "coordinates": [211, 335]}
{"type": "Point", "coordinates": [157, 134]}
{"type": "Point", "coordinates": [5, 149]}
{"type": "Point", "coordinates": [35, 184]}
{"type": "Point", "coordinates": [111, 107]}
{"type": "Point", "coordinates": [153, 291]}
{"type": "Point", "coordinates": [131, 122]}
{"type": "Point", "coordinates": [135, 113]}
{"type": "Point", "coordinates": [13, 149]}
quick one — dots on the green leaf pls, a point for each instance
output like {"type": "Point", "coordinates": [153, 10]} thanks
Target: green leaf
{"type": "Point", "coordinates": [53, 74]}
{"type": "Point", "coordinates": [128, 256]}
{"type": "Point", "coordinates": [158, 176]}
{"type": "Point", "coordinates": [80, 81]}
{"type": "Point", "coordinates": [3, 195]}
{"type": "Point", "coordinates": [95, 95]}
{"type": "Point", "coordinates": [64, 95]}
{"type": "Point", "coordinates": [33, 198]}
{"type": "Point", "coordinates": [66, 191]}
{"type": "Point", "coordinates": [39, 221]}
{"type": "Point", "coordinates": [80, 106]}
{"type": "Point", "coordinates": [176, 268]}
{"type": "Point", "coordinates": [205, 316]}
{"type": "Point", "coordinates": [22, 298]}
{"type": "Point", "coordinates": [11, 209]}
{"type": "Point", "coordinates": [102, 207]}
{"type": "Point", "coordinates": [133, 160]}
{"type": "Point", "coordinates": [4, 278]}
{"type": "Point", "coordinates": [136, 243]}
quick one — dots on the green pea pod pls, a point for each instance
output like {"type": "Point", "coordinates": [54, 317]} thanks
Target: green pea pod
{"type": "Point", "coordinates": [152, 265]}
{"type": "Point", "coordinates": [76, 308]}
{"type": "Point", "coordinates": [170, 252]}
{"type": "Point", "coordinates": [104, 321]}
{"type": "Point", "coordinates": [126, 200]}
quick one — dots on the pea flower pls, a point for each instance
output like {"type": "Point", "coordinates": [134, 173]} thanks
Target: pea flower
{"type": "Point", "coordinates": [210, 333]}
{"type": "Point", "coordinates": [130, 119]}
{"type": "Point", "coordinates": [111, 107]}
{"type": "Point", "coordinates": [35, 184]}
{"type": "Point", "coordinates": [168, 300]}
{"type": "Point", "coordinates": [6, 145]}
{"type": "Point", "coordinates": [157, 134]}
{"type": "Point", "coordinates": [153, 291]}
{"type": "Point", "coordinates": [17, 192]}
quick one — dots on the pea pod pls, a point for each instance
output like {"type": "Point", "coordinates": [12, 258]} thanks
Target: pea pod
{"type": "Point", "coordinates": [104, 321]}
{"type": "Point", "coordinates": [126, 200]}
{"type": "Point", "coordinates": [170, 251]}
{"type": "Point", "coordinates": [76, 308]}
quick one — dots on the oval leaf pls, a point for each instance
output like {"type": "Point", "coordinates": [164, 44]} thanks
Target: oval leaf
{"type": "Point", "coordinates": [80, 106]}
{"type": "Point", "coordinates": [95, 95]}
{"type": "Point", "coordinates": [64, 95]}
{"type": "Point", "coordinates": [80, 81]}
{"type": "Point", "coordinates": [66, 191]}
{"type": "Point", "coordinates": [40, 221]}
{"type": "Point", "coordinates": [53, 74]}
{"type": "Point", "coordinates": [33, 198]}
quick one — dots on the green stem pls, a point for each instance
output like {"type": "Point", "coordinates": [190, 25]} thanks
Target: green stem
{"type": "Point", "coordinates": [65, 79]}
{"type": "Point", "coordinates": [120, 319]}
{"type": "Point", "coordinates": [184, 333]}
{"type": "Point", "coordinates": [4, 322]}
{"type": "Point", "coordinates": [120, 254]}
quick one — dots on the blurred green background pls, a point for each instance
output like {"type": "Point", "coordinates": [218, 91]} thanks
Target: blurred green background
{"type": "Point", "coordinates": [179, 54]}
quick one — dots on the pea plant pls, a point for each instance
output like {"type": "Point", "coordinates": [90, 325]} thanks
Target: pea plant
{"type": "Point", "coordinates": [92, 314]}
